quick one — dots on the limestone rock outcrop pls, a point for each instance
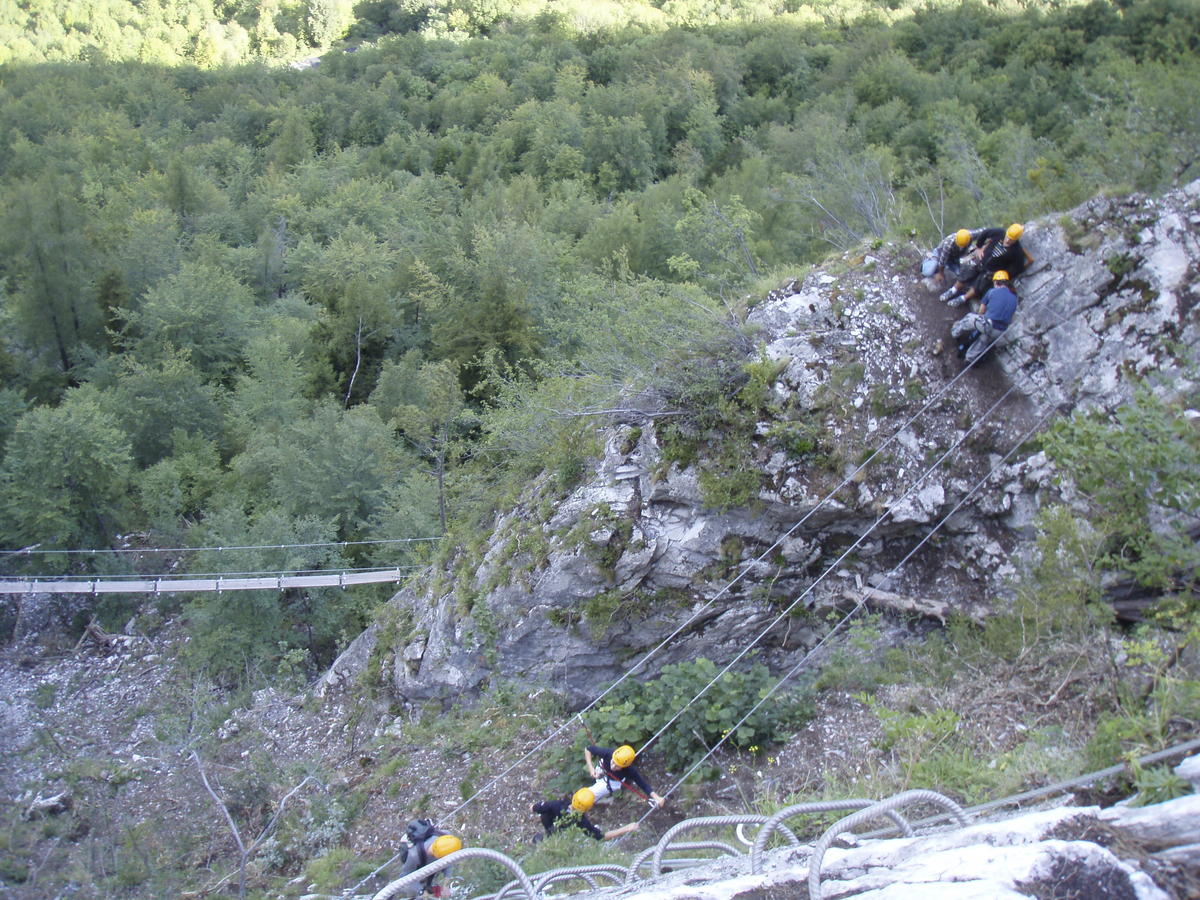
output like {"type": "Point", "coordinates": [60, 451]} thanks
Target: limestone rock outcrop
{"type": "Point", "coordinates": [634, 556]}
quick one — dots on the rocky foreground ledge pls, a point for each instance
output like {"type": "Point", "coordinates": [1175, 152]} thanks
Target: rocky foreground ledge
{"type": "Point", "coordinates": [1120, 853]}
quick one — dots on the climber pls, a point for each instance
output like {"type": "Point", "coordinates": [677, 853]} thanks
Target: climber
{"type": "Point", "coordinates": [948, 255]}
{"type": "Point", "coordinates": [615, 769]}
{"type": "Point", "coordinates": [980, 330]}
{"type": "Point", "coordinates": [571, 812]}
{"type": "Point", "coordinates": [999, 248]}
{"type": "Point", "coordinates": [426, 844]}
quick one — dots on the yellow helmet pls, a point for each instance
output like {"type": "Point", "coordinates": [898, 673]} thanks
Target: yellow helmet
{"type": "Point", "coordinates": [583, 800]}
{"type": "Point", "coordinates": [623, 756]}
{"type": "Point", "coordinates": [444, 846]}
{"type": "Point", "coordinates": [1015, 230]}
{"type": "Point", "coordinates": [1000, 275]}
{"type": "Point", "coordinates": [963, 237]}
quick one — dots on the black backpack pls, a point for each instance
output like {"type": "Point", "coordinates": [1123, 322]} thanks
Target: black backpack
{"type": "Point", "coordinates": [419, 830]}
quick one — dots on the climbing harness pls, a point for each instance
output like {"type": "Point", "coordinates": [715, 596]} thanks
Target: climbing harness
{"type": "Point", "coordinates": [609, 776]}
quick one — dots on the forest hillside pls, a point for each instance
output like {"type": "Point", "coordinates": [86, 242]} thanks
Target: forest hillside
{"type": "Point", "coordinates": [946, 618]}
{"type": "Point", "coordinates": [479, 292]}
{"type": "Point", "coordinates": [319, 310]}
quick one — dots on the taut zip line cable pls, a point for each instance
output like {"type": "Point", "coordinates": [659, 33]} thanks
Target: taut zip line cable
{"type": "Point", "coordinates": [650, 654]}
{"type": "Point", "coordinates": [783, 615]}
{"type": "Point", "coordinates": [859, 605]}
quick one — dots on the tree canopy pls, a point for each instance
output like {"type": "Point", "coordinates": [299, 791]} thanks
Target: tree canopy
{"type": "Point", "coordinates": [340, 298]}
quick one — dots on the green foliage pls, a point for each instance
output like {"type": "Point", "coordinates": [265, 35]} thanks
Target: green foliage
{"type": "Point", "coordinates": [920, 743]}
{"type": "Point", "coordinates": [1143, 459]}
{"type": "Point", "coordinates": [43, 695]}
{"type": "Point", "coordinates": [717, 241]}
{"type": "Point", "coordinates": [1158, 784]}
{"type": "Point", "coordinates": [178, 316]}
{"type": "Point", "coordinates": [1137, 726]}
{"type": "Point", "coordinates": [634, 711]}
{"type": "Point", "coordinates": [237, 635]}
{"type": "Point", "coordinates": [720, 410]}
{"type": "Point", "coordinates": [66, 476]}
{"type": "Point", "coordinates": [336, 465]}
{"type": "Point", "coordinates": [853, 665]}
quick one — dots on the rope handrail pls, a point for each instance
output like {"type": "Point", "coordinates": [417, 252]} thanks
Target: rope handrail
{"type": "Point", "coordinates": [613, 871]}
{"type": "Point", "coordinates": [664, 843]}
{"type": "Point", "coordinates": [393, 888]}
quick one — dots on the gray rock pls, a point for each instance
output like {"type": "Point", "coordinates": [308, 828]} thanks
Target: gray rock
{"type": "Point", "coordinates": [1189, 771]}
{"type": "Point", "coordinates": [635, 555]}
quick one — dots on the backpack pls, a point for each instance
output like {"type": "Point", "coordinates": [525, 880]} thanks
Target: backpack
{"type": "Point", "coordinates": [419, 830]}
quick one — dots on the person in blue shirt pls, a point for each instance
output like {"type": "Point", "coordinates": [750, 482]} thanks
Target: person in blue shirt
{"type": "Point", "coordinates": [995, 314]}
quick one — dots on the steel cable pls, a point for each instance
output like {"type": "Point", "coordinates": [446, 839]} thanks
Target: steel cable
{"type": "Point", "coordinates": [859, 604]}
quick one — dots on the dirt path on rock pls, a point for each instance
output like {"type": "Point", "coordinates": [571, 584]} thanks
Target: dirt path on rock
{"type": "Point", "coordinates": [987, 383]}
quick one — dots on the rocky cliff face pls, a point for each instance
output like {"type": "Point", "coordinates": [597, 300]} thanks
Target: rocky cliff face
{"type": "Point", "coordinates": [634, 556]}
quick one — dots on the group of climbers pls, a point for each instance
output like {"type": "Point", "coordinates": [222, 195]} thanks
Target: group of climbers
{"type": "Point", "coordinates": [983, 263]}
{"type": "Point", "coordinates": [611, 770]}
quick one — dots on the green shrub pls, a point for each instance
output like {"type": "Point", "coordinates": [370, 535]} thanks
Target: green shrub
{"type": "Point", "coordinates": [44, 694]}
{"type": "Point", "coordinates": [635, 711]}
{"type": "Point", "coordinates": [1157, 784]}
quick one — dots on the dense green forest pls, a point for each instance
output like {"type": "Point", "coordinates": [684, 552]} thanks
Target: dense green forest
{"type": "Point", "coordinates": [250, 305]}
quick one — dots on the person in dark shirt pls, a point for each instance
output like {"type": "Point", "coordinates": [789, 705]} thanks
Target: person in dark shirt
{"type": "Point", "coordinates": [613, 770]}
{"type": "Point", "coordinates": [999, 250]}
{"type": "Point", "coordinates": [952, 253]}
{"type": "Point", "coordinates": [995, 315]}
{"type": "Point", "coordinates": [571, 812]}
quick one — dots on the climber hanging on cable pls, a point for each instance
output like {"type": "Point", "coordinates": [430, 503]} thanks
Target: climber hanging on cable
{"type": "Point", "coordinates": [613, 770]}
{"type": "Point", "coordinates": [571, 812]}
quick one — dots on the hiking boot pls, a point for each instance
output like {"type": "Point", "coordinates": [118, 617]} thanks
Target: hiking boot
{"type": "Point", "coordinates": [946, 294]}
{"type": "Point", "coordinates": [956, 301]}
